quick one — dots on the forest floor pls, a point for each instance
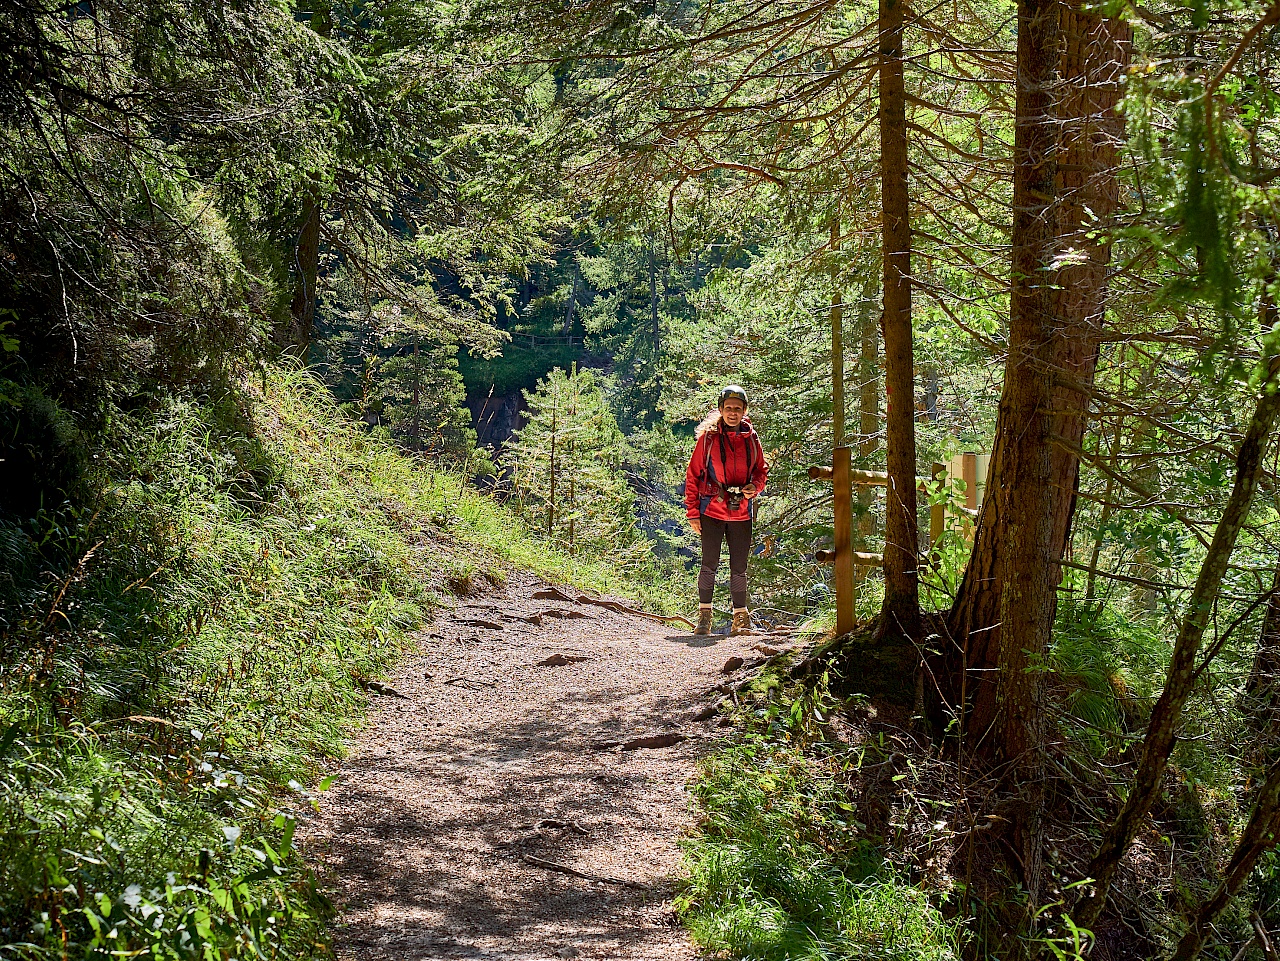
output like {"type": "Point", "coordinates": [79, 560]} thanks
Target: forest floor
{"type": "Point", "coordinates": [483, 774]}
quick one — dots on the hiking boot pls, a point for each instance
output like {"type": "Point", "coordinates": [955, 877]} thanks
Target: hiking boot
{"type": "Point", "coordinates": [704, 621]}
{"type": "Point", "coordinates": [741, 623]}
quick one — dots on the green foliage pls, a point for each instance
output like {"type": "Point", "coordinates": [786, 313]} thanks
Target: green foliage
{"type": "Point", "coordinates": [779, 868]}
{"type": "Point", "coordinates": [420, 400]}
{"type": "Point", "coordinates": [186, 645]}
{"type": "Point", "coordinates": [396, 375]}
{"type": "Point", "coordinates": [1106, 668]}
{"type": "Point", "coordinates": [566, 467]}
{"type": "Point", "coordinates": [517, 368]}
{"type": "Point", "coordinates": [123, 260]}
{"type": "Point", "coordinates": [181, 649]}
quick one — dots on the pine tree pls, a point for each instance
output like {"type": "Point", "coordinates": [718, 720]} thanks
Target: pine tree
{"type": "Point", "coordinates": [567, 468]}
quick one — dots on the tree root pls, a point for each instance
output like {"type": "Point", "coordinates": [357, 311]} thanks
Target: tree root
{"type": "Point", "coordinates": [598, 878]}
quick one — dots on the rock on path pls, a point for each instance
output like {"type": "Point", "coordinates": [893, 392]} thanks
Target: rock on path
{"type": "Point", "coordinates": [490, 758]}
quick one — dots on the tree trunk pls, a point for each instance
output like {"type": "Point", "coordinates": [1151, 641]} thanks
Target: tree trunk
{"type": "Point", "coordinates": [1066, 140]}
{"type": "Point", "coordinates": [1090, 587]}
{"type": "Point", "coordinates": [868, 418]}
{"type": "Point", "coordinates": [573, 298]}
{"type": "Point", "coordinates": [653, 306]}
{"type": "Point", "coordinates": [868, 379]}
{"type": "Point", "coordinates": [573, 456]}
{"type": "Point", "coordinates": [1258, 837]}
{"type": "Point", "coordinates": [1260, 702]}
{"type": "Point", "coordinates": [417, 395]}
{"type": "Point", "coordinates": [837, 344]}
{"type": "Point", "coordinates": [551, 499]}
{"type": "Point", "coordinates": [306, 263]}
{"type": "Point", "coordinates": [1182, 674]}
{"type": "Point", "coordinates": [1029, 490]}
{"type": "Point", "coordinates": [901, 612]}
{"type": "Point", "coordinates": [306, 268]}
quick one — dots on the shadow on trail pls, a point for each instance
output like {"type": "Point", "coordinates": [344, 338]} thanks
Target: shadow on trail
{"type": "Point", "coordinates": [690, 640]}
{"type": "Point", "coordinates": [473, 800]}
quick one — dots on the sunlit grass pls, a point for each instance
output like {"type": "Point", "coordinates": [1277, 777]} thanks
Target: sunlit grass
{"type": "Point", "coordinates": [778, 869]}
{"type": "Point", "coordinates": [184, 655]}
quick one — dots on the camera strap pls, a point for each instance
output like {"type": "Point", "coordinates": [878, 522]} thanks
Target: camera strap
{"type": "Point", "coordinates": [710, 470]}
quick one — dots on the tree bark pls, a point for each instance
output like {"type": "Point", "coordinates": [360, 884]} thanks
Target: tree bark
{"type": "Point", "coordinates": [1026, 481]}
{"type": "Point", "coordinates": [868, 419]}
{"type": "Point", "coordinates": [417, 394]}
{"type": "Point", "coordinates": [306, 268]}
{"type": "Point", "coordinates": [653, 306]}
{"type": "Point", "coordinates": [306, 265]}
{"type": "Point", "coordinates": [573, 298]}
{"type": "Point", "coordinates": [868, 378]}
{"type": "Point", "coordinates": [1067, 132]}
{"type": "Point", "coordinates": [837, 344]}
{"type": "Point", "coordinates": [1260, 702]}
{"type": "Point", "coordinates": [901, 611]}
{"type": "Point", "coordinates": [1182, 674]}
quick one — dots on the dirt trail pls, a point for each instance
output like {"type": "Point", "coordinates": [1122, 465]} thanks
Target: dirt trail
{"type": "Point", "coordinates": [490, 762]}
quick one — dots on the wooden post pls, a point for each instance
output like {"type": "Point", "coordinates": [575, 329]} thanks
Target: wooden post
{"type": "Point", "coordinates": [843, 491]}
{"type": "Point", "coordinates": [937, 512]}
{"type": "Point", "coordinates": [969, 472]}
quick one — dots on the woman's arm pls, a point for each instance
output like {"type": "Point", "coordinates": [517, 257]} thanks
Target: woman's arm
{"type": "Point", "coordinates": [761, 472]}
{"type": "Point", "coordinates": [693, 477]}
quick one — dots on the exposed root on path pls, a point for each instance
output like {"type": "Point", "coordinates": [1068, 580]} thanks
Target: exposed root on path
{"type": "Point", "coordinates": [554, 593]}
{"type": "Point", "coordinates": [445, 833]}
{"type": "Point", "coordinates": [574, 872]}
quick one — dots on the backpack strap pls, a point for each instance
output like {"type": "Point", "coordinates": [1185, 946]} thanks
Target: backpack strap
{"type": "Point", "coordinates": [709, 469]}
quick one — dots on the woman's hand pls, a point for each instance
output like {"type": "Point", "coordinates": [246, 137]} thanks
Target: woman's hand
{"type": "Point", "coordinates": [696, 524]}
{"type": "Point", "coordinates": [750, 491]}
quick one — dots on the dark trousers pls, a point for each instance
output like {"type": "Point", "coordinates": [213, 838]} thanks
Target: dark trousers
{"type": "Point", "coordinates": [715, 533]}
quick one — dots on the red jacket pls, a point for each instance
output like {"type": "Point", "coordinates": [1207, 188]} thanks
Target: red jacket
{"type": "Point", "coordinates": [742, 463]}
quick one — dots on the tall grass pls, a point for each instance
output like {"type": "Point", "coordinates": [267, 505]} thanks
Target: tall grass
{"type": "Point", "coordinates": [778, 869]}
{"type": "Point", "coordinates": [185, 647]}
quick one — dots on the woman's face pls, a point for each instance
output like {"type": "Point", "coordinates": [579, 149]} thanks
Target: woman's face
{"type": "Point", "coordinates": [733, 411]}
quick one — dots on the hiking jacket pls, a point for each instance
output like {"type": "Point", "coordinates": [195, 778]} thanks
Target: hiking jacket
{"type": "Point", "coordinates": [742, 450]}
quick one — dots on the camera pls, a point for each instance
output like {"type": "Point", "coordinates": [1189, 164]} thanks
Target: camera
{"type": "Point", "coordinates": [732, 497]}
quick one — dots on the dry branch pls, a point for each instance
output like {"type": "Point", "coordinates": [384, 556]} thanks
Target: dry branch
{"type": "Point", "coordinates": [574, 872]}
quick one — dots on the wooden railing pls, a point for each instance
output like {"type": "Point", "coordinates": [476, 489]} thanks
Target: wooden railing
{"type": "Point", "coordinates": [538, 340]}
{"type": "Point", "coordinates": [971, 468]}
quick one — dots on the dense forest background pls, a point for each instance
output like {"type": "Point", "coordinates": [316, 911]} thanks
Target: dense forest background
{"type": "Point", "coordinates": [449, 254]}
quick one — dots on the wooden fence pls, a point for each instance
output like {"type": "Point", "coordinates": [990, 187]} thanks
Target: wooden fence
{"type": "Point", "coordinates": [537, 340]}
{"type": "Point", "coordinates": [971, 468]}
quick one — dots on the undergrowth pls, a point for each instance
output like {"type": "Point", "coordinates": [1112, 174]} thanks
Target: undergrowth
{"type": "Point", "coordinates": [846, 828]}
{"type": "Point", "coordinates": [781, 868]}
{"type": "Point", "coordinates": [183, 647]}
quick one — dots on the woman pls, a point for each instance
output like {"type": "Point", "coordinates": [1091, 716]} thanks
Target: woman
{"type": "Point", "coordinates": [726, 474]}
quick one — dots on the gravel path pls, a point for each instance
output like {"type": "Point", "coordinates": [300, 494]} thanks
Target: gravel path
{"type": "Point", "coordinates": [490, 762]}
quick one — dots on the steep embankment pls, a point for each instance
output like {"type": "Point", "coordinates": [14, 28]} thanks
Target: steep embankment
{"type": "Point", "coordinates": [184, 647]}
